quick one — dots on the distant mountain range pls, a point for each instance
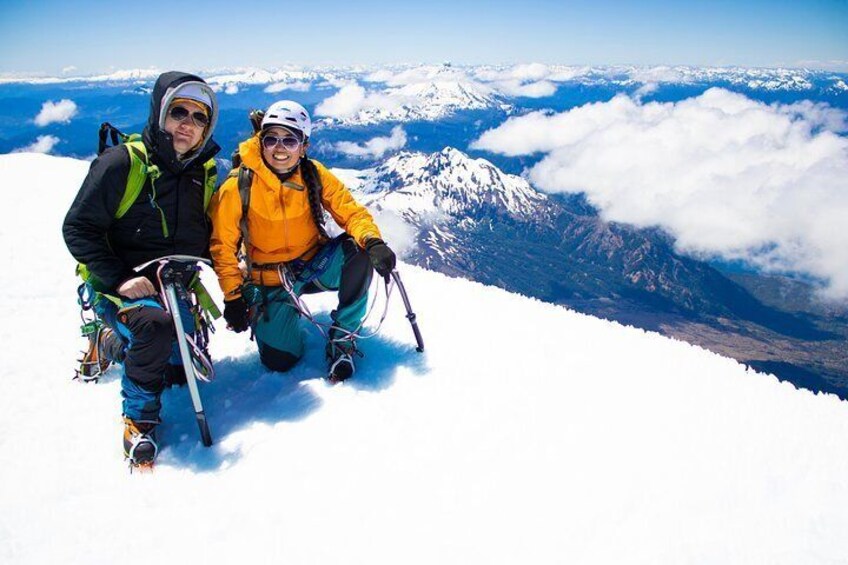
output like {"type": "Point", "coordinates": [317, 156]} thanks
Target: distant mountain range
{"type": "Point", "coordinates": [474, 221]}
{"type": "Point", "coordinates": [432, 93]}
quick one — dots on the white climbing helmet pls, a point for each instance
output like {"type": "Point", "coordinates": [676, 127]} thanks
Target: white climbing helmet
{"type": "Point", "coordinates": [290, 115]}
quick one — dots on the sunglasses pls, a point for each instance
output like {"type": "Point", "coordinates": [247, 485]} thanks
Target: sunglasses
{"type": "Point", "coordinates": [290, 143]}
{"type": "Point", "coordinates": [180, 114]}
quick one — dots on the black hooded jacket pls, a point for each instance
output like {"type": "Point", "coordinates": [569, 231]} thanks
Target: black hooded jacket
{"type": "Point", "coordinates": [111, 247]}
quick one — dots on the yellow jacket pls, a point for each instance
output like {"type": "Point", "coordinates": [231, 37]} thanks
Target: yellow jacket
{"type": "Point", "coordinates": [279, 221]}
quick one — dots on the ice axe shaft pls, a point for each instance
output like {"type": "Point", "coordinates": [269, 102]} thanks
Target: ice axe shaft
{"type": "Point", "coordinates": [410, 315]}
{"type": "Point", "coordinates": [188, 365]}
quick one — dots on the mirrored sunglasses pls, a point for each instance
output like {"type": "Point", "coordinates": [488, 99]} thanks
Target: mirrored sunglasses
{"type": "Point", "coordinates": [180, 114]}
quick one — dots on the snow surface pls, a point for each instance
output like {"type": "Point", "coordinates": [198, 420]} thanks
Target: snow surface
{"type": "Point", "coordinates": [525, 434]}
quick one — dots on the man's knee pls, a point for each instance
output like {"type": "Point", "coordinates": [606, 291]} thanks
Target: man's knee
{"type": "Point", "coordinates": [152, 334]}
{"type": "Point", "coordinates": [275, 359]}
{"type": "Point", "coordinates": [149, 325]}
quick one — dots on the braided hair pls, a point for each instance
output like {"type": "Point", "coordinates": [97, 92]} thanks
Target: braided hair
{"type": "Point", "coordinates": [311, 178]}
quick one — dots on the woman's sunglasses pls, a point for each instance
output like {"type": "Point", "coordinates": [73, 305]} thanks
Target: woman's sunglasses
{"type": "Point", "coordinates": [290, 143]}
{"type": "Point", "coordinates": [180, 114]}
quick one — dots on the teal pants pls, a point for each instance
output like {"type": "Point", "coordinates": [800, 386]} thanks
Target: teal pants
{"type": "Point", "coordinates": [340, 266]}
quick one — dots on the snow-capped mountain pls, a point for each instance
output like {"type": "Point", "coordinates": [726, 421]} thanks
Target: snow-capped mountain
{"type": "Point", "coordinates": [750, 78]}
{"type": "Point", "coordinates": [418, 186]}
{"type": "Point", "coordinates": [425, 101]}
{"type": "Point", "coordinates": [119, 76]}
{"type": "Point", "coordinates": [253, 77]}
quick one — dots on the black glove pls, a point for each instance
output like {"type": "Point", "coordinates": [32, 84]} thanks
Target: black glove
{"type": "Point", "coordinates": [236, 314]}
{"type": "Point", "coordinates": [382, 258]}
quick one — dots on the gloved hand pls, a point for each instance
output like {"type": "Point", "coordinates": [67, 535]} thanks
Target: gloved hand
{"type": "Point", "coordinates": [236, 314]}
{"type": "Point", "coordinates": [382, 258]}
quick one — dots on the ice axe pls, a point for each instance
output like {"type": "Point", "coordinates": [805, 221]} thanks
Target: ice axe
{"type": "Point", "coordinates": [171, 269]}
{"type": "Point", "coordinates": [410, 315]}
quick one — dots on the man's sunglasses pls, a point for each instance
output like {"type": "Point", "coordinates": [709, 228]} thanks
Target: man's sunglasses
{"type": "Point", "coordinates": [290, 143]}
{"type": "Point", "coordinates": [180, 114]}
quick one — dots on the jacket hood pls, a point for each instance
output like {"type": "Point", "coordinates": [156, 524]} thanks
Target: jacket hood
{"type": "Point", "coordinates": [168, 87]}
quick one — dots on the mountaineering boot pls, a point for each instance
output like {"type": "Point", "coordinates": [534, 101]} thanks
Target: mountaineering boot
{"type": "Point", "coordinates": [140, 442]}
{"type": "Point", "coordinates": [103, 347]}
{"type": "Point", "coordinates": [340, 352]}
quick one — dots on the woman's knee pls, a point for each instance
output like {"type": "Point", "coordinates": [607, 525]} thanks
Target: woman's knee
{"type": "Point", "coordinates": [276, 359]}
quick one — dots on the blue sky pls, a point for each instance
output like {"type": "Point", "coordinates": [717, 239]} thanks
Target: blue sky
{"type": "Point", "coordinates": [93, 36]}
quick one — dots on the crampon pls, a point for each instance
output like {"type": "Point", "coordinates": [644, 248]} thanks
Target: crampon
{"type": "Point", "coordinates": [93, 363]}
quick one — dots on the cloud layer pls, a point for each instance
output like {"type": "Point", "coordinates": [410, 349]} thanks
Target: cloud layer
{"type": "Point", "coordinates": [375, 147]}
{"type": "Point", "coordinates": [727, 176]}
{"type": "Point", "coordinates": [56, 112]}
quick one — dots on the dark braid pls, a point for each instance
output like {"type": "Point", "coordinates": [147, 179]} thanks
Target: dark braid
{"type": "Point", "coordinates": [313, 190]}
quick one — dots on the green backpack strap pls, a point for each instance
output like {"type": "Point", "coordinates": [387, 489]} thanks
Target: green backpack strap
{"type": "Point", "coordinates": [210, 181]}
{"type": "Point", "coordinates": [140, 169]}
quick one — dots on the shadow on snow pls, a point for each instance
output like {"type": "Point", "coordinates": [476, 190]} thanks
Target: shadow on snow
{"type": "Point", "coordinates": [245, 392]}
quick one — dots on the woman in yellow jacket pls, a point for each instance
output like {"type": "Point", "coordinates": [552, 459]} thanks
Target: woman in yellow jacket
{"type": "Point", "coordinates": [288, 249]}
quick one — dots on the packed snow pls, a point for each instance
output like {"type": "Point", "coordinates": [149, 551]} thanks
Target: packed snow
{"type": "Point", "coordinates": [525, 433]}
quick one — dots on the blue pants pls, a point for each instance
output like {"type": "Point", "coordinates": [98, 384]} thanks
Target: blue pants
{"type": "Point", "coordinates": [338, 266]}
{"type": "Point", "coordinates": [150, 348]}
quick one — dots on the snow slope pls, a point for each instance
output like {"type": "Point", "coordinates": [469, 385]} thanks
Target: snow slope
{"type": "Point", "coordinates": [525, 434]}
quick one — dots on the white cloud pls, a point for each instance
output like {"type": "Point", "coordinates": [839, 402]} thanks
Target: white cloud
{"type": "Point", "coordinates": [565, 74]}
{"type": "Point", "coordinates": [42, 144]}
{"type": "Point", "coordinates": [726, 175]}
{"type": "Point", "coordinates": [530, 81]}
{"type": "Point", "coordinates": [654, 75]}
{"type": "Point", "coordinates": [352, 99]}
{"type": "Point", "coordinates": [396, 231]}
{"type": "Point", "coordinates": [68, 69]}
{"type": "Point", "coordinates": [524, 73]}
{"type": "Point", "coordinates": [335, 82]}
{"type": "Point", "coordinates": [53, 112]}
{"type": "Point", "coordinates": [375, 147]}
{"type": "Point", "coordinates": [297, 86]}
{"type": "Point", "coordinates": [538, 89]}
{"type": "Point", "coordinates": [646, 89]}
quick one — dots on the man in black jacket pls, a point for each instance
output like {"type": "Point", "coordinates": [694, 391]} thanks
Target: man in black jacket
{"type": "Point", "coordinates": [168, 217]}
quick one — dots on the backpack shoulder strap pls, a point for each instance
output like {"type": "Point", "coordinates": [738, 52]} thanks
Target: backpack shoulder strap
{"type": "Point", "coordinates": [245, 180]}
{"type": "Point", "coordinates": [210, 181]}
{"type": "Point", "coordinates": [139, 169]}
